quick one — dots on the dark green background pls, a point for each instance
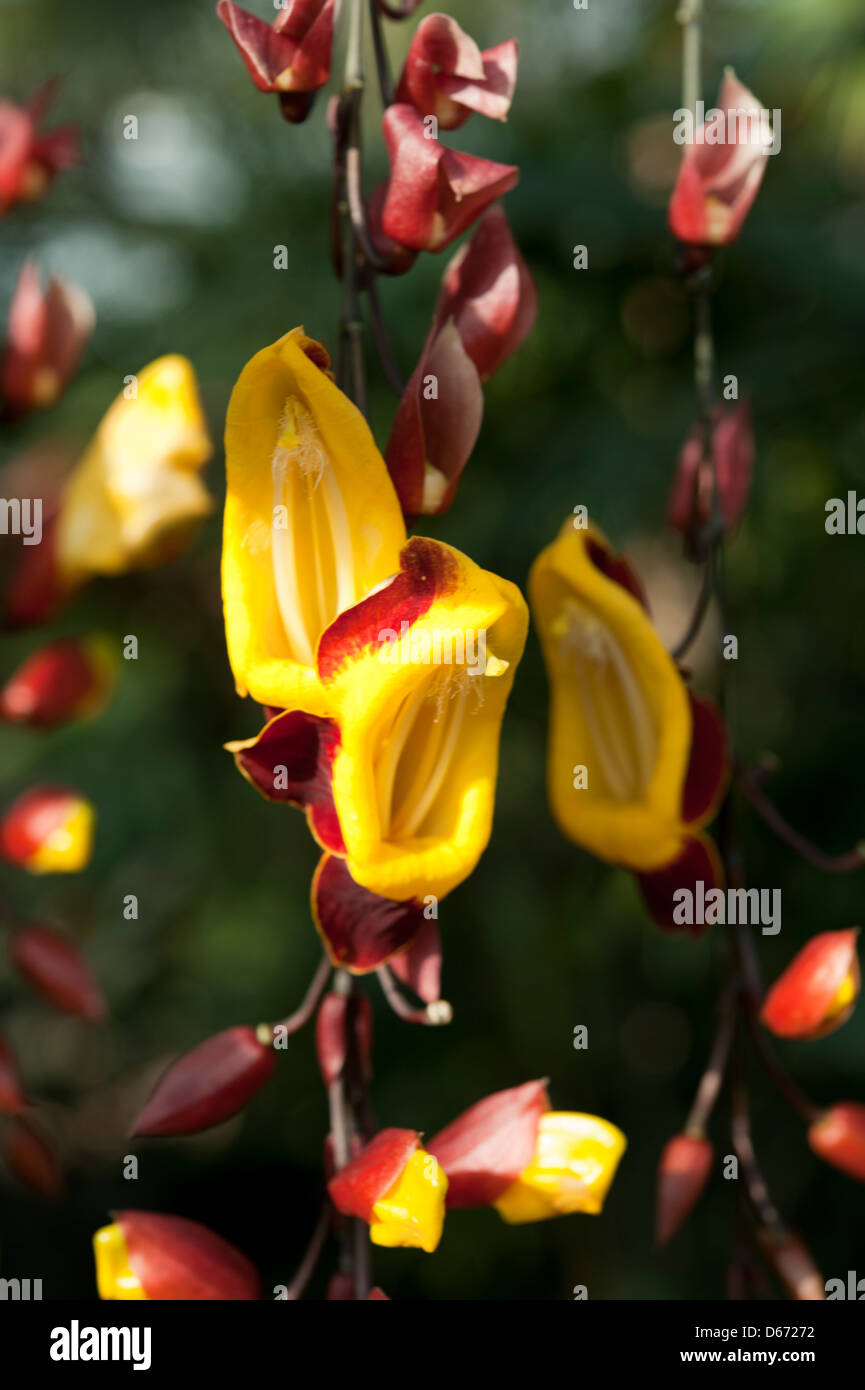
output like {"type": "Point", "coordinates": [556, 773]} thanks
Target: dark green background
{"type": "Point", "coordinates": [174, 236]}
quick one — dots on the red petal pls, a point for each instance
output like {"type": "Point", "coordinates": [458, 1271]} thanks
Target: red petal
{"type": "Point", "coordinates": [733, 451]}
{"type": "Point", "coordinates": [420, 966]}
{"type": "Point", "coordinates": [487, 1147]}
{"type": "Point", "coordinates": [55, 968]}
{"type": "Point", "coordinates": [360, 1183]}
{"type": "Point", "coordinates": [305, 745]}
{"type": "Point", "coordinates": [412, 192]}
{"type": "Point", "coordinates": [618, 569]}
{"type": "Point", "coordinates": [12, 1098]}
{"type": "Point", "coordinates": [360, 929]}
{"type": "Point", "coordinates": [488, 292]}
{"type": "Point", "coordinates": [266, 53]}
{"type": "Point", "coordinates": [208, 1085]}
{"type": "Point", "coordinates": [35, 592]}
{"type": "Point", "coordinates": [427, 572]}
{"type": "Point", "coordinates": [467, 186]}
{"type": "Point", "coordinates": [838, 1136]}
{"type": "Point", "coordinates": [173, 1258]}
{"type": "Point", "coordinates": [796, 1005]}
{"type": "Point", "coordinates": [33, 1160]}
{"type": "Point", "coordinates": [687, 211]}
{"type": "Point", "coordinates": [683, 1171]}
{"type": "Point", "coordinates": [439, 49]}
{"type": "Point", "coordinates": [709, 764]}
{"type": "Point", "coordinates": [698, 861]}
{"type": "Point", "coordinates": [336, 1014]}
{"type": "Point", "coordinates": [441, 432]}
{"type": "Point", "coordinates": [493, 95]}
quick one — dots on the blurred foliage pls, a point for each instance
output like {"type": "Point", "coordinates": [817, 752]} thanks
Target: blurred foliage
{"type": "Point", "coordinates": [173, 235]}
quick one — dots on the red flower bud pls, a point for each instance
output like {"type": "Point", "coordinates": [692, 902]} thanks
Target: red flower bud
{"type": "Point", "coordinates": [66, 680]}
{"type": "Point", "coordinates": [12, 1099]}
{"type": "Point", "coordinates": [434, 193]}
{"type": "Point", "coordinates": [364, 1179]}
{"type": "Point", "coordinates": [48, 830]}
{"type": "Point", "coordinates": [690, 504]}
{"type": "Point", "coordinates": [173, 1258]}
{"type": "Point", "coordinates": [420, 965]}
{"type": "Point", "coordinates": [446, 75]}
{"type": "Point", "coordinates": [794, 1265]}
{"type": "Point", "coordinates": [28, 160]}
{"type": "Point", "coordinates": [55, 969]}
{"type": "Point", "coordinates": [35, 589]}
{"type": "Point", "coordinates": [486, 1148]}
{"type": "Point", "coordinates": [683, 1170]}
{"type": "Point", "coordinates": [377, 1295]}
{"type": "Point", "coordinates": [331, 1023]}
{"type": "Point", "coordinates": [818, 990]}
{"type": "Point", "coordinates": [436, 426]}
{"type": "Point", "coordinates": [488, 292]}
{"type": "Point", "coordinates": [838, 1136]}
{"type": "Point", "coordinates": [45, 336]}
{"type": "Point", "coordinates": [719, 178]}
{"type": "Point", "coordinates": [33, 1161]}
{"type": "Point", "coordinates": [292, 55]}
{"type": "Point", "coordinates": [208, 1085]}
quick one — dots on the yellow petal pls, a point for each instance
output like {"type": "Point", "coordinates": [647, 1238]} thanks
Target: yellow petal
{"type": "Point", "coordinates": [135, 494]}
{"type": "Point", "coordinates": [312, 521]}
{"type": "Point", "coordinates": [114, 1278]}
{"type": "Point", "coordinates": [412, 1211]}
{"type": "Point", "coordinates": [573, 1165]}
{"type": "Point", "coordinates": [618, 708]}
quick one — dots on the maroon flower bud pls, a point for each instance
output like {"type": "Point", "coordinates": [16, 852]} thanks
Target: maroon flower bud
{"type": "Point", "coordinates": [173, 1258]}
{"type": "Point", "coordinates": [12, 1099]}
{"type": "Point", "coordinates": [33, 1160]}
{"type": "Point", "coordinates": [54, 968]}
{"type": "Point", "coordinates": [732, 447]}
{"type": "Point", "coordinates": [447, 75]}
{"type": "Point", "coordinates": [45, 335]}
{"type": "Point", "coordinates": [331, 1043]}
{"type": "Point", "coordinates": [65, 680]}
{"type": "Point", "coordinates": [208, 1085]}
{"type": "Point", "coordinates": [683, 1170]}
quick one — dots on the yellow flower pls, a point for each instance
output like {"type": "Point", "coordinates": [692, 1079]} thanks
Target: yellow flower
{"type": "Point", "coordinates": [133, 498]}
{"type": "Point", "coordinates": [412, 1211]}
{"type": "Point", "coordinates": [574, 1163]}
{"type": "Point", "coordinates": [620, 716]}
{"type": "Point", "coordinates": [312, 522]}
{"type": "Point", "coordinates": [114, 1278]}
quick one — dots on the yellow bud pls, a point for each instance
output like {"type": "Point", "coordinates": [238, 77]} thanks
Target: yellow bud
{"type": "Point", "coordinates": [412, 1210]}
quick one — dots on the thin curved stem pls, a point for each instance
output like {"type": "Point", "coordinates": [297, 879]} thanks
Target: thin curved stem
{"type": "Point", "coordinates": [433, 1016]}
{"type": "Point", "coordinates": [713, 1077]}
{"type": "Point", "coordinates": [830, 863]}
{"type": "Point", "coordinates": [312, 1255]}
{"type": "Point", "coordinates": [304, 1012]}
{"type": "Point", "coordinates": [385, 81]}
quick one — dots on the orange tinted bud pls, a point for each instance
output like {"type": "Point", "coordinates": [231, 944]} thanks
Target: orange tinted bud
{"type": "Point", "coordinates": [838, 1136]}
{"type": "Point", "coordinates": [683, 1170]}
{"type": "Point", "coordinates": [818, 990]}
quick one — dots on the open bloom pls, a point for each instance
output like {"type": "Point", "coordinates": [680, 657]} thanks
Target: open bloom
{"type": "Point", "coordinates": [65, 680]}
{"type": "Point", "coordinates": [818, 990]}
{"type": "Point", "coordinates": [721, 170]}
{"type": "Point", "coordinates": [397, 1187]}
{"type": "Point", "coordinates": [145, 1255]}
{"type": "Point", "coordinates": [48, 830]}
{"type": "Point", "coordinates": [636, 764]}
{"type": "Point", "coordinates": [131, 501]}
{"type": "Point", "coordinates": [691, 498]}
{"type": "Point", "coordinates": [292, 54]}
{"type": "Point", "coordinates": [447, 76]}
{"type": "Point", "coordinates": [838, 1137]}
{"type": "Point", "coordinates": [434, 193]}
{"type": "Point", "coordinates": [529, 1162]}
{"type": "Point", "coordinates": [312, 523]}
{"type": "Point", "coordinates": [29, 158]}
{"type": "Point", "coordinates": [46, 333]}
{"type": "Point", "coordinates": [400, 780]}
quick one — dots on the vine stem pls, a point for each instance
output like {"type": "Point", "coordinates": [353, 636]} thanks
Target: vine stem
{"type": "Point", "coordinates": [830, 863]}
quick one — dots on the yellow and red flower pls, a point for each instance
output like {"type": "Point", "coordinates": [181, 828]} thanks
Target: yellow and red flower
{"type": "Point", "coordinates": [838, 1137]}
{"type": "Point", "coordinates": [636, 763]}
{"type": "Point", "coordinates": [818, 990]}
{"type": "Point", "coordinates": [397, 1187]}
{"type": "Point", "coordinates": [48, 830]}
{"type": "Point", "coordinates": [145, 1255]}
{"type": "Point", "coordinates": [65, 680]}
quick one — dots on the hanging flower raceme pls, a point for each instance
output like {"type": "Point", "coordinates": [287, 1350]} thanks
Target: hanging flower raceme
{"type": "Point", "coordinates": [818, 990]}
{"type": "Point", "coordinates": [486, 306]}
{"type": "Point", "coordinates": [397, 1187]}
{"type": "Point", "coordinates": [732, 452]}
{"type": "Point", "coordinates": [311, 520]}
{"type": "Point", "coordinates": [30, 159]}
{"type": "Point", "coordinates": [399, 782]}
{"type": "Point", "coordinates": [721, 170]}
{"type": "Point", "coordinates": [290, 57]}
{"type": "Point", "coordinates": [434, 193]}
{"type": "Point", "coordinates": [512, 1152]}
{"type": "Point", "coordinates": [636, 764]}
{"type": "Point", "coordinates": [66, 680]}
{"type": "Point", "coordinates": [48, 830]}
{"type": "Point", "coordinates": [145, 1255]}
{"type": "Point", "coordinates": [46, 332]}
{"type": "Point", "coordinates": [133, 499]}
{"type": "Point", "coordinates": [446, 75]}
{"type": "Point", "coordinates": [838, 1137]}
